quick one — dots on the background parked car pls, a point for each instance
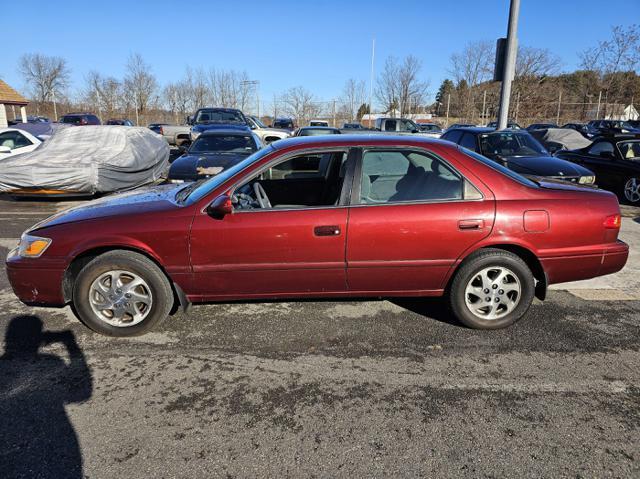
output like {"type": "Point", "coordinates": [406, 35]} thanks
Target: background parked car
{"type": "Point", "coordinates": [155, 127]}
{"type": "Point", "coordinates": [80, 119]}
{"type": "Point", "coordinates": [579, 127]}
{"type": "Point", "coordinates": [266, 134]}
{"type": "Point", "coordinates": [30, 119]}
{"type": "Point", "coordinates": [213, 152]}
{"type": "Point", "coordinates": [541, 126]}
{"type": "Point", "coordinates": [352, 126]}
{"type": "Point", "coordinates": [316, 131]}
{"type": "Point", "coordinates": [176, 135]}
{"type": "Point", "coordinates": [511, 125]}
{"type": "Point", "coordinates": [284, 124]}
{"type": "Point", "coordinates": [121, 122]}
{"type": "Point", "coordinates": [14, 141]}
{"type": "Point", "coordinates": [208, 118]}
{"type": "Point", "coordinates": [610, 127]}
{"type": "Point", "coordinates": [318, 123]}
{"type": "Point", "coordinates": [430, 129]}
{"type": "Point", "coordinates": [615, 160]}
{"type": "Point", "coordinates": [520, 152]}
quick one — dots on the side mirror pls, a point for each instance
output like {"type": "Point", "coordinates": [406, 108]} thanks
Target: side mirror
{"type": "Point", "coordinates": [220, 207]}
{"type": "Point", "coordinates": [5, 149]}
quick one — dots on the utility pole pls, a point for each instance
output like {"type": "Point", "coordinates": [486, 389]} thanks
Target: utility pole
{"type": "Point", "coordinates": [509, 63]}
{"type": "Point", "coordinates": [484, 103]}
{"type": "Point", "coordinates": [598, 110]}
{"type": "Point", "coordinates": [373, 54]}
{"type": "Point", "coordinates": [334, 112]}
{"type": "Point", "coordinates": [448, 102]}
{"type": "Point", "coordinates": [55, 110]}
{"type": "Point", "coordinates": [559, 103]}
{"type": "Point", "coordinates": [517, 107]}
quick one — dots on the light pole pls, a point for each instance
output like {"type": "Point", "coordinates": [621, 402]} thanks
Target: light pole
{"type": "Point", "coordinates": [509, 63]}
{"type": "Point", "coordinates": [373, 55]}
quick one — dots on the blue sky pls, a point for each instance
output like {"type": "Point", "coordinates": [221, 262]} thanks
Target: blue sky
{"type": "Point", "coordinates": [282, 44]}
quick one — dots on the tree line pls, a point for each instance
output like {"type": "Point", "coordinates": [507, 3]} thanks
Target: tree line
{"type": "Point", "coordinates": [607, 77]}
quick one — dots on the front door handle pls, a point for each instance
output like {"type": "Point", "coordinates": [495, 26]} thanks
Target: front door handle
{"type": "Point", "coordinates": [470, 224]}
{"type": "Point", "coordinates": [329, 230]}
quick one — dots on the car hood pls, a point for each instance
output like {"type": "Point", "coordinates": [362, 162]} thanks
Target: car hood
{"type": "Point", "coordinates": [545, 166]}
{"type": "Point", "coordinates": [187, 166]}
{"type": "Point", "coordinates": [147, 200]}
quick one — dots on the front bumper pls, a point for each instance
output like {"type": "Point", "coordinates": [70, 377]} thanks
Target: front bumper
{"type": "Point", "coordinates": [37, 282]}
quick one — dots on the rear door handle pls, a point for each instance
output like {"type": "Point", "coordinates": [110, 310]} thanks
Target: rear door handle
{"type": "Point", "coordinates": [470, 224]}
{"type": "Point", "coordinates": [328, 230]}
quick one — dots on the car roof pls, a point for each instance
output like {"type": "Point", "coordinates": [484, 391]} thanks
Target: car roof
{"type": "Point", "coordinates": [311, 127]}
{"type": "Point", "coordinates": [226, 131]}
{"type": "Point", "coordinates": [355, 140]}
{"type": "Point", "coordinates": [215, 108]}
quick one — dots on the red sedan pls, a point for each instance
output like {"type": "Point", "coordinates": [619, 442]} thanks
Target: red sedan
{"type": "Point", "coordinates": [336, 216]}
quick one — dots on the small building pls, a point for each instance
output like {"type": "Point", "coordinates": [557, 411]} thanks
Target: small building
{"type": "Point", "coordinates": [10, 97]}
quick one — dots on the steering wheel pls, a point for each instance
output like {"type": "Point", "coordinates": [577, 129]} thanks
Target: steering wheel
{"type": "Point", "coordinates": [261, 195]}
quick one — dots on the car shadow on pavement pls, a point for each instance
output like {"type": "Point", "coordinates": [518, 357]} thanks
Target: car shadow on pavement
{"type": "Point", "coordinates": [37, 438]}
{"type": "Point", "coordinates": [433, 308]}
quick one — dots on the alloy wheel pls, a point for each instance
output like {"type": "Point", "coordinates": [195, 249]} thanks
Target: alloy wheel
{"type": "Point", "coordinates": [493, 293]}
{"type": "Point", "coordinates": [632, 190]}
{"type": "Point", "coordinates": [120, 298]}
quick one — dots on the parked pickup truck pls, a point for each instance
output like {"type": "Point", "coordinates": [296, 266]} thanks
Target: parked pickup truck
{"type": "Point", "coordinates": [211, 118]}
{"type": "Point", "coordinates": [266, 134]}
{"type": "Point", "coordinates": [401, 125]}
{"type": "Point", "coordinates": [176, 135]}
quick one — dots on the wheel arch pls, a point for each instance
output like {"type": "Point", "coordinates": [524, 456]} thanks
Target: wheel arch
{"type": "Point", "coordinates": [85, 257]}
{"type": "Point", "coordinates": [527, 255]}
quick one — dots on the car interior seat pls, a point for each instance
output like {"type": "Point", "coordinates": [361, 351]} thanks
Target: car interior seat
{"type": "Point", "coordinates": [9, 143]}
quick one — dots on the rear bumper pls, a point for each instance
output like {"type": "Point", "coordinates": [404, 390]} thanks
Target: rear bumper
{"type": "Point", "coordinates": [36, 282]}
{"type": "Point", "coordinates": [610, 259]}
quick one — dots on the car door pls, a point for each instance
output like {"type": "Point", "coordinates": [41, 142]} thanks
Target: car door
{"type": "Point", "coordinates": [412, 216]}
{"type": "Point", "coordinates": [285, 250]}
{"type": "Point", "coordinates": [601, 159]}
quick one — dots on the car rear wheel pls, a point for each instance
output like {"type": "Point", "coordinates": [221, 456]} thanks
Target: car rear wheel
{"type": "Point", "coordinates": [491, 290]}
{"type": "Point", "coordinates": [122, 293]}
{"type": "Point", "coordinates": [632, 190]}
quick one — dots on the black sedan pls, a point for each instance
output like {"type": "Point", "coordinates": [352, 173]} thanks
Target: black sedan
{"type": "Point", "coordinates": [520, 152]}
{"type": "Point", "coordinates": [615, 160]}
{"type": "Point", "coordinates": [212, 152]}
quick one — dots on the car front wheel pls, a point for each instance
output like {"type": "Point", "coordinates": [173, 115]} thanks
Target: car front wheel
{"type": "Point", "coordinates": [491, 290]}
{"type": "Point", "coordinates": [122, 293]}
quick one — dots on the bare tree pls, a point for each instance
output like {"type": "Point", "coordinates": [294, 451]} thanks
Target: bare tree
{"type": "Point", "coordinates": [474, 64]}
{"type": "Point", "coordinates": [103, 93]}
{"type": "Point", "coordinates": [139, 83]}
{"type": "Point", "coordinates": [300, 104]}
{"type": "Point", "coordinates": [399, 86]}
{"type": "Point", "coordinates": [44, 75]}
{"type": "Point", "coordinates": [353, 95]}
{"type": "Point", "coordinates": [536, 63]}
{"type": "Point", "coordinates": [198, 90]}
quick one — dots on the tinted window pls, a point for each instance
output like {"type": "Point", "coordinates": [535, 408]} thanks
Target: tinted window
{"type": "Point", "coordinates": [453, 136]}
{"type": "Point", "coordinates": [509, 143]}
{"type": "Point", "coordinates": [390, 125]}
{"type": "Point", "coordinates": [601, 147]}
{"type": "Point", "coordinates": [630, 150]}
{"type": "Point", "coordinates": [396, 176]}
{"type": "Point", "coordinates": [71, 119]}
{"type": "Point", "coordinates": [468, 140]}
{"type": "Point", "coordinates": [223, 144]}
{"type": "Point", "coordinates": [218, 116]}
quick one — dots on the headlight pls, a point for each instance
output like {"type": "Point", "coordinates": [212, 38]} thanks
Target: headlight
{"type": "Point", "coordinates": [32, 246]}
{"type": "Point", "coordinates": [587, 180]}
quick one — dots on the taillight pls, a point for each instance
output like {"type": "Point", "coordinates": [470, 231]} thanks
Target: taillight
{"type": "Point", "coordinates": [161, 131]}
{"type": "Point", "coordinates": [613, 222]}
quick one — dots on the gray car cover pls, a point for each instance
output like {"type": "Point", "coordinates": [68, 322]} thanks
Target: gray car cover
{"type": "Point", "coordinates": [87, 160]}
{"type": "Point", "coordinates": [561, 139]}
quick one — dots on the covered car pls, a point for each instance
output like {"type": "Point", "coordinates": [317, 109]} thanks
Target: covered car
{"type": "Point", "coordinates": [86, 161]}
{"type": "Point", "coordinates": [554, 139]}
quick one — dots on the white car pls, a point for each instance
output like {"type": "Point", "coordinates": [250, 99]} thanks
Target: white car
{"type": "Point", "coordinates": [318, 123]}
{"type": "Point", "coordinates": [14, 141]}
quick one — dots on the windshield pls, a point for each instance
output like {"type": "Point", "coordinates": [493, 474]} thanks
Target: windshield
{"type": "Point", "coordinates": [408, 125]}
{"type": "Point", "coordinates": [630, 150]}
{"type": "Point", "coordinates": [223, 144]}
{"type": "Point", "coordinates": [496, 166]}
{"type": "Point", "coordinates": [317, 131]}
{"type": "Point", "coordinates": [199, 189]}
{"type": "Point", "coordinates": [219, 116]}
{"type": "Point", "coordinates": [509, 143]}
{"type": "Point", "coordinates": [257, 121]}
{"type": "Point", "coordinates": [623, 125]}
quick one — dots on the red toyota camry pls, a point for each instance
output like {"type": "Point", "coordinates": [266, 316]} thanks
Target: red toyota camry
{"type": "Point", "coordinates": [336, 216]}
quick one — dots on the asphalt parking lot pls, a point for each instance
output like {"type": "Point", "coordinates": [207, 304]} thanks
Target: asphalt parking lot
{"type": "Point", "coordinates": [320, 389]}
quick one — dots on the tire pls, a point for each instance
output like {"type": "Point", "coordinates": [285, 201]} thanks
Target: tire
{"type": "Point", "coordinates": [508, 302]}
{"type": "Point", "coordinates": [631, 191]}
{"type": "Point", "coordinates": [140, 288]}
